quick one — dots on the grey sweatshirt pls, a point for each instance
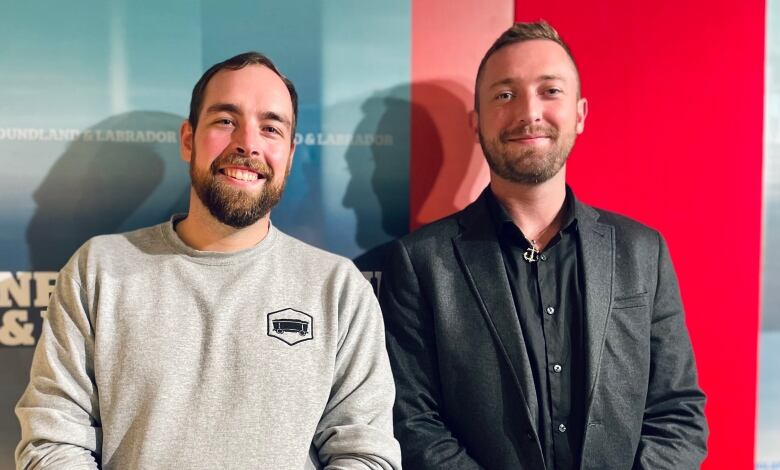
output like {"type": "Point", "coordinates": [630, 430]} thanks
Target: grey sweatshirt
{"type": "Point", "coordinates": [155, 355]}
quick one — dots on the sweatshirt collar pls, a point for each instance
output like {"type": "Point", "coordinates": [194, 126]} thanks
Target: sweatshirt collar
{"type": "Point", "coordinates": [170, 236]}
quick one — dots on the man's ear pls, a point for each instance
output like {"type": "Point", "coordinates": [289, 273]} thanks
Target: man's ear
{"type": "Point", "coordinates": [582, 113]}
{"type": "Point", "coordinates": [186, 134]}
{"type": "Point", "coordinates": [292, 154]}
{"type": "Point", "coordinates": [474, 123]}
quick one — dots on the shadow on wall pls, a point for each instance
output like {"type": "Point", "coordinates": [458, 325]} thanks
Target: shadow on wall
{"type": "Point", "coordinates": [120, 174]}
{"type": "Point", "coordinates": [447, 163]}
{"type": "Point", "coordinates": [379, 175]}
{"type": "Point", "coordinates": [438, 111]}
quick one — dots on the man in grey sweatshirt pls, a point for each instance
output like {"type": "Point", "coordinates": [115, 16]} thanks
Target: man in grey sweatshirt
{"type": "Point", "coordinates": [214, 340]}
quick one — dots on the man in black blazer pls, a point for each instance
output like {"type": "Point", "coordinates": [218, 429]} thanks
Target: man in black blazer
{"type": "Point", "coordinates": [529, 330]}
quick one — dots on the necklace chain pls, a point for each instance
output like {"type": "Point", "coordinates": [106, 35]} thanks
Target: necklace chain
{"type": "Point", "coordinates": [531, 254]}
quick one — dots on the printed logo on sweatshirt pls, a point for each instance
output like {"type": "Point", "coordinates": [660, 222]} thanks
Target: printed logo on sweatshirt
{"type": "Point", "coordinates": [290, 326]}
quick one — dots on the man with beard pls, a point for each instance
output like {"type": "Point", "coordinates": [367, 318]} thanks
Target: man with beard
{"type": "Point", "coordinates": [214, 340]}
{"type": "Point", "coordinates": [529, 330]}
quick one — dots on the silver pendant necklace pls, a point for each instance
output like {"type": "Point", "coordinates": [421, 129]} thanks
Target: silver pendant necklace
{"type": "Point", "coordinates": [531, 253]}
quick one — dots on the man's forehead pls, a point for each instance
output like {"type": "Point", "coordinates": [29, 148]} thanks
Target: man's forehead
{"type": "Point", "coordinates": [534, 59]}
{"type": "Point", "coordinates": [251, 84]}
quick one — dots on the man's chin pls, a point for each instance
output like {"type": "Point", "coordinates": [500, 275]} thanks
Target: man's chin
{"type": "Point", "coordinates": [237, 207]}
{"type": "Point", "coordinates": [237, 220]}
{"type": "Point", "coordinates": [528, 179]}
{"type": "Point", "coordinates": [246, 213]}
{"type": "Point", "coordinates": [527, 175]}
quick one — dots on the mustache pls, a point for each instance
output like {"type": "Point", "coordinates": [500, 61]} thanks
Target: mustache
{"type": "Point", "coordinates": [236, 159]}
{"type": "Point", "coordinates": [528, 130]}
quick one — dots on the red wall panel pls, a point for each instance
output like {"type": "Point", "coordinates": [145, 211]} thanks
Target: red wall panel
{"type": "Point", "coordinates": [448, 41]}
{"type": "Point", "coordinates": [674, 139]}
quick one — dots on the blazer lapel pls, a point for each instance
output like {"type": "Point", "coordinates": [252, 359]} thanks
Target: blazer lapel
{"type": "Point", "coordinates": [598, 253]}
{"type": "Point", "coordinates": [479, 253]}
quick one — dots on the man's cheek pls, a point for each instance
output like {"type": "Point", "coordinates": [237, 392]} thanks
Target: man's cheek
{"type": "Point", "coordinates": [278, 159]}
{"type": "Point", "coordinates": [212, 145]}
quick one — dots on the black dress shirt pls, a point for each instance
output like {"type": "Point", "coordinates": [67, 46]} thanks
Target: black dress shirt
{"type": "Point", "coordinates": [548, 297]}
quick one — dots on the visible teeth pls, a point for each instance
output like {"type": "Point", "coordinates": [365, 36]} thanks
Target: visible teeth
{"type": "Point", "coordinates": [239, 174]}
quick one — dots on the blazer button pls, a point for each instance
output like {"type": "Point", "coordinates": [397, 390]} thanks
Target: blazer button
{"type": "Point", "coordinates": [529, 435]}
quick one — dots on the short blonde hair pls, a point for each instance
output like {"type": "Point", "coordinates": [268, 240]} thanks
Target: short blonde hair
{"type": "Point", "coordinates": [520, 32]}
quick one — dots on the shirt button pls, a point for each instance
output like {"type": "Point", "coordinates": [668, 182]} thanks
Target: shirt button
{"type": "Point", "coordinates": [562, 428]}
{"type": "Point", "coordinates": [550, 310]}
{"type": "Point", "coordinates": [543, 257]}
{"type": "Point", "coordinates": [557, 368]}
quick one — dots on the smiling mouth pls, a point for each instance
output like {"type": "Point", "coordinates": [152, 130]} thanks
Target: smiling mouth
{"type": "Point", "coordinates": [526, 138]}
{"type": "Point", "coordinates": [529, 136]}
{"type": "Point", "coordinates": [241, 174]}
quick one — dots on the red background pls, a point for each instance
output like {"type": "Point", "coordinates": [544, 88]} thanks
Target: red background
{"type": "Point", "coordinates": [673, 139]}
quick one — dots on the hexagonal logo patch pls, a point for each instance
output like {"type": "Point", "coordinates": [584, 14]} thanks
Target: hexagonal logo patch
{"type": "Point", "coordinates": [290, 325]}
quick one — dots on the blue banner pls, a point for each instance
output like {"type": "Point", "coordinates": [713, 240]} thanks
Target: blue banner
{"type": "Point", "coordinates": [93, 94]}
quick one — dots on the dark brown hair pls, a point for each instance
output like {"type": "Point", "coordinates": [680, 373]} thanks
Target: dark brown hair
{"type": "Point", "coordinates": [236, 63]}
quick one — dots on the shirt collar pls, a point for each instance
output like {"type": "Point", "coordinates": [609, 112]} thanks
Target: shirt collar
{"type": "Point", "coordinates": [501, 218]}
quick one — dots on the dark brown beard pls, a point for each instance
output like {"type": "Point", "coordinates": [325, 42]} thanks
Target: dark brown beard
{"type": "Point", "coordinates": [233, 206]}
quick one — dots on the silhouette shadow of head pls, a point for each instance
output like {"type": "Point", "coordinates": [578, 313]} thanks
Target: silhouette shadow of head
{"type": "Point", "coordinates": [378, 163]}
{"type": "Point", "coordinates": [120, 174]}
{"type": "Point", "coordinates": [379, 169]}
{"type": "Point", "coordinates": [443, 144]}
{"type": "Point", "coordinates": [382, 183]}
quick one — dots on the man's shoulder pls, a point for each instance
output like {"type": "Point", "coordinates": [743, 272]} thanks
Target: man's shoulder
{"type": "Point", "coordinates": [298, 255]}
{"type": "Point", "coordinates": [624, 226]}
{"type": "Point", "coordinates": [121, 247]}
{"type": "Point", "coordinates": [304, 250]}
{"type": "Point", "coordinates": [629, 235]}
{"type": "Point", "coordinates": [434, 232]}
{"type": "Point", "coordinates": [133, 240]}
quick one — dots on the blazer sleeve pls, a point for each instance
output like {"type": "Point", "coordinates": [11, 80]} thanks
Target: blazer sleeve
{"type": "Point", "coordinates": [58, 411]}
{"type": "Point", "coordinates": [420, 426]}
{"type": "Point", "coordinates": [674, 429]}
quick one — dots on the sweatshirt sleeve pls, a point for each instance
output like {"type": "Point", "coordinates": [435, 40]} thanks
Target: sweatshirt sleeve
{"type": "Point", "coordinates": [58, 412]}
{"type": "Point", "coordinates": [356, 430]}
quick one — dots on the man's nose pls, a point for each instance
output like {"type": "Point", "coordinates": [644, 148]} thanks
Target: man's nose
{"type": "Point", "coordinates": [528, 109]}
{"type": "Point", "coordinates": [246, 141]}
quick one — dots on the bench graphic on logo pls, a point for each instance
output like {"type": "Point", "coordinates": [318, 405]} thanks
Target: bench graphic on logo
{"type": "Point", "coordinates": [290, 326]}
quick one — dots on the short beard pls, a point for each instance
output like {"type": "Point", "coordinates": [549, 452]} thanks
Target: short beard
{"type": "Point", "coordinates": [528, 167]}
{"type": "Point", "coordinates": [232, 206]}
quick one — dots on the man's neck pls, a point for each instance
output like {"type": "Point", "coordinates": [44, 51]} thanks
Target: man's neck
{"type": "Point", "coordinates": [201, 231]}
{"type": "Point", "coordinates": [533, 208]}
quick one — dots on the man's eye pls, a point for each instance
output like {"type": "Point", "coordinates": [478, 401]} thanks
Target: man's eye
{"type": "Point", "coordinates": [224, 122]}
{"type": "Point", "coordinates": [271, 129]}
{"type": "Point", "coordinates": [505, 96]}
{"type": "Point", "coordinates": [554, 91]}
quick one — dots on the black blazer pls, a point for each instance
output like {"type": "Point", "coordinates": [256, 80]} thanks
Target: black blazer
{"type": "Point", "coordinates": [463, 379]}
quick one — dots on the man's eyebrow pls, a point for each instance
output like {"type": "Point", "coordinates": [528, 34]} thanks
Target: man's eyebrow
{"type": "Point", "coordinates": [234, 109]}
{"type": "Point", "coordinates": [540, 78]}
{"type": "Point", "coordinates": [544, 78]}
{"type": "Point", "coordinates": [273, 116]}
{"type": "Point", "coordinates": [222, 107]}
{"type": "Point", "coordinates": [505, 81]}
